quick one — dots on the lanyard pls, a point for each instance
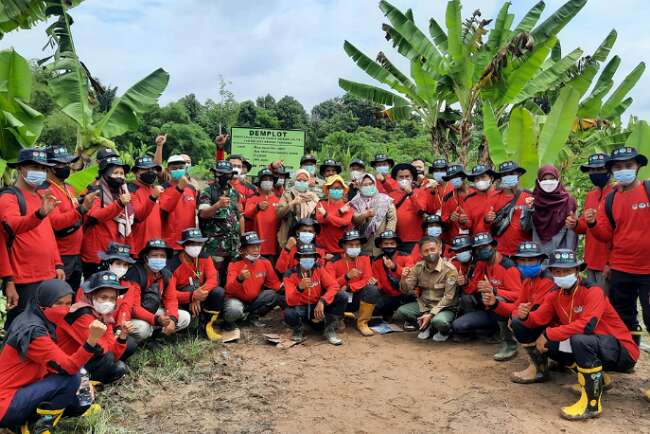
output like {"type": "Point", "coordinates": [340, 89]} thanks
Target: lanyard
{"type": "Point", "coordinates": [64, 190]}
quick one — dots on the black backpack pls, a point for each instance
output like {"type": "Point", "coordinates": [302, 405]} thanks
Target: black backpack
{"type": "Point", "coordinates": [609, 203]}
{"type": "Point", "coordinates": [150, 296]}
{"type": "Point", "coordinates": [22, 208]}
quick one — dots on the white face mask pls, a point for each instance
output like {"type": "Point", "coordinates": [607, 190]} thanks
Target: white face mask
{"type": "Point", "coordinates": [193, 251]}
{"type": "Point", "coordinates": [482, 185]}
{"type": "Point", "coordinates": [403, 183]}
{"type": "Point", "coordinates": [549, 185]}
{"type": "Point", "coordinates": [565, 282]}
{"type": "Point", "coordinates": [353, 252]}
{"type": "Point", "coordinates": [236, 172]}
{"type": "Point", "coordinates": [356, 174]}
{"type": "Point", "coordinates": [104, 308]}
{"type": "Point", "coordinates": [252, 258]}
{"type": "Point", "coordinates": [118, 270]}
{"type": "Point", "coordinates": [266, 185]}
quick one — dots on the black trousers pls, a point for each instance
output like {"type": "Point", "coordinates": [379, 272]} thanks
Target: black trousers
{"type": "Point", "coordinates": [624, 291]}
{"type": "Point", "coordinates": [387, 305]}
{"type": "Point", "coordinates": [25, 293]}
{"type": "Point", "coordinates": [294, 316]}
{"type": "Point", "coordinates": [588, 351]}
{"type": "Point", "coordinates": [214, 302]}
{"type": "Point", "coordinates": [368, 294]}
{"type": "Point", "coordinates": [73, 270]}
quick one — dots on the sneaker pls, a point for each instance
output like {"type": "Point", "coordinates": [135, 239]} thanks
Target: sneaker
{"type": "Point", "coordinates": [439, 337]}
{"type": "Point", "coordinates": [425, 334]}
{"type": "Point", "coordinates": [256, 322]}
{"type": "Point", "coordinates": [408, 327]}
{"type": "Point", "coordinates": [296, 335]}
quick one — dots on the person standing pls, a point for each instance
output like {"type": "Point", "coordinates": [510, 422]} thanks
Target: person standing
{"type": "Point", "coordinates": [177, 202]}
{"type": "Point", "coordinates": [333, 214]}
{"type": "Point", "coordinates": [296, 203]}
{"type": "Point", "coordinates": [146, 224]}
{"type": "Point", "coordinates": [261, 212]}
{"type": "Point", "coordinates": [410, 205]}
{"type": "Point", "coordinates": [383, 165]}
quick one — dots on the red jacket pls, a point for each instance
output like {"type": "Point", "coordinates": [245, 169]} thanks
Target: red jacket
{"type": "Point", "coordinates": [504, 277]}
{"type": "Point", "coordinates": [324, 287]}
{"type": "Point", "coordinates": [124, 305]}
{"type": "Point", "coordinates": [177, 213]}
{"type": "Point", "coordinates": [381, 273]}
{"type": "Point", "coordinates": [388, 185]}
{"type": "Point", "coordinates": [452, 201]}
{"type": "Point", "coordinates": [629, 240]}
{"type": "Point", "coordinates": [339, 269]}
{"type": "Point", "coordinates": [509, 241]}
{"type": "Point", "coordinates": [199, 272]}
{"type": "Point", "coordinates": [532, 291]}
{"type": "Point", "coordinates": [147, 225]}
{"type": "Point", "coordinates": [34, 254]}
{"type": "Point", "coordinates": [43, 352]}
{"type": "Point", "coordinates": [477, 204]}
{"type": "Point", "coordinates": [287, 259]}
{"type": "Point", "coordinates": [64, 216]}
{"type": "Point", "coordinates": [583, 311]}
{"type": "Point", "coordinates": [596, 252]}
{"type": "Point", "coordinates": [265, 222]}
{"type": "Point", "coordinates": [434, 198]}
{"type": "Point", "coordinates": [262, 275]}
{"type": "Point", "coordinates": [333, 225]}
{"type": "Point", "coordinates": [409, 214]}
{"type": "Point", "coordinates": [100, 229]}
{"type": "Point", "coordinates": [5, 264]}
{"type": "Point", "coordinates": [169, 299]}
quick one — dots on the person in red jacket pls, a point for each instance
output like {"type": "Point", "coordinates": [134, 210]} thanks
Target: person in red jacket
{"type": "Point", "coordinates": [333, 214]}
{"type": "Point", "coordinates": [596, 252]}
{"type": "Point", "coordinates": [387, 272]}
{"type": "Point", "coordinates": [24, 213]}
{"type": "Point", "coordinates": [461, 248]}
{"type": "Point", "coordinates": [535, 285]}
{"type": "Point", "coordinates": [246, 296]}
{"type": "Point", "coordinates": [197, 282]}
{"type": "Point", "coordinates": [499, 275]}
{"type": "Point", "coordinates": [260, 210]}
{"type": "Point", "coordinates": [353, 273]}
{"type": "Point", "coordinates": [111, 216]}
{"type": "Point", "coordinates": [453, 202]}
{"type": "Point", "coordinates": [238, 182]}
{"type": "Point", "coordinates": [156, 304]}
{"type": "Point", "coordinates": [312, 295]}
{"type": "Point", "coordinates": [477, 203]}
{"type": "Point", "coordinates": [437, 171]}
{"type": "Point", "coordinates": [625, 227]}
{"type": "Point", "coordinates": [509, 217]}
{"type": "Point", "coordinates": [304, 231]}
{"type": "Point", "coordinates": [385, 182]}
{"type": "Point", "coordinates": [38, 380]}
{"type": "Point", "coordinates": [67, 217]}
{"type": "Point", "coordinates": [577, 325]}
{"type": "Point", "coordinates": [117, 259]}
{"type": "Point", "coordinates": [410, 205]}
{"type": "Point", "coordinates": [432, 226]}
{"type": "Point", "coordinates": [177, 203]}
{"type": "Point", "coordinates": [147, 224]}
{"type": "Point", "coordinates": [98, 302]}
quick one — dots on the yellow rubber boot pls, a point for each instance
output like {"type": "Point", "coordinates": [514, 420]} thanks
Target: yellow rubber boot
{"type": "Point", "coordinates": [47, 420]}
{"type": "Point", "coordinates": [364, 315]}
{"type": "Point", "coordinates": [608, 383]}
{"type": "Point", "coordinates": [646, 394]}
{"type": "Point", "coordinates": [211, 326]}
{"type": "Point", "coordinates": [589, 405]}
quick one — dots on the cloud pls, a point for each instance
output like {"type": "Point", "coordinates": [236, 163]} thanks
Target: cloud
{"type": "Point", "coordinates": [286, 46]}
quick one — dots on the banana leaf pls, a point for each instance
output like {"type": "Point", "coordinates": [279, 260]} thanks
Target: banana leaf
{"type": "Point", "coordinates": [556, 22]}
{"type": "Point", "coordinates": [640, 139]}
{"type": "Point", "coordinates": [521, 143]}
{"type": "Point", "coordinates": [622, 90]}
{"type": "Point", "coordinates": [493, 136]}
{"type": "Point", "coordinates": [426, 83]}
{"type": "Point", "coordinates": [531, 18]}
{"type": "Point", "coordinates": [25, 14]}
{"type": "Point", "coordinates": [494, 38]}
{"type": "Point", "coordinates": [455, 46]}
{"type": "Point", "coordinates": [558, 124]}
{"type": "Point", "coordinates": [438, 35]}
{"type": "Point", "coordinates": [81, 179]}
{"type": "Point", "coordinates": [372, 93]}
{"type": "Point", "coordinates": [591, 107]}
{"type": "Point", "coordinates": [601, 53]}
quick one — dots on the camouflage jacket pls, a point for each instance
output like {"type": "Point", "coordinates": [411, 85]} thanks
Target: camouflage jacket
{"type": "Point", "coordinates": [223, 229]}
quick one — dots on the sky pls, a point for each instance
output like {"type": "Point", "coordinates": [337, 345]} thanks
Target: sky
{"type": "Point", "coordinates": [292, 47]}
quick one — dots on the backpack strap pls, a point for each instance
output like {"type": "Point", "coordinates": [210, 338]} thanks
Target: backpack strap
{"type": "Point", "coordinates": [609, 204]}
{"type": "Point", "coordinates": [402, 200]}
{"type": "Point", "coordinates": [447, 196]}
{"type": "Point", "coordinates": [132, 187]}
{"type": "Point", "coordinates": [22, 208]}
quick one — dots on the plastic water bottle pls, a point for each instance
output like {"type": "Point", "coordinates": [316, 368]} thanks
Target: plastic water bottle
{"type": "Point", "coordinates": [85, 393]}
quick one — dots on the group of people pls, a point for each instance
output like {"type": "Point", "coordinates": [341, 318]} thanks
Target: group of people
{"type": "Point", "coordinates": [448, 252]}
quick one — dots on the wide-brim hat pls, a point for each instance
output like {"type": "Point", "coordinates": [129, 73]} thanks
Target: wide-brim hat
{"type": "Point", "coordinates": [333, 180]}
{"type": "Point", "coordinates": [351, 236]}
{"type": "Point", "coordinates": [382, 158]}
{"type": "Point", "coordinates": [403, 166]}
{"type": "Point", "coordinates": [432, 219]}
{"type": "Point", "coordinates": [307, 250]}
{"type": "Point", "coordinates": [529, 249]}
{"type": "Point", "coordinates": [156, 244]}
{"type": "Point", "coordinates": [261, 174]}
{"type": "Point", "coordinates": [387, 235]}
{"type": "Point", "coordinates": [483, 239]}
{"type": "Point", "coordinates": [626, 153]}
{"type": "Point", "coordinates": [330, 163]}
{"type": "Point", "coordinates": [112, 161]}
{"type": "Point", "coordinates": [305, 222]}
{"type": "Point", "coordinates": [192, 235]}
{"type": "Point", "coordinates": [117, 251]}
{"type": "Point", "coordinates": [565, 258]}
{"type": "Point", "coordinates": [357, 162]}
{"type": "Point", "coordinates": [31, 155]}
{"type": "Point", "coordinates": [59, 154]}
{"type": "Point", "coordinates": [478, 170]}
{"type": "Point", "coordinates": [461, 242]}
{"type": "Point", "coordinates": [438, 165]}
{"type": "Point", "coordinates": [146, 162]}
{"type": "Point", "coordinates": [222, 166]}
{"type": "Point", "coordinates": [250, 239]}
{"type": "Point", "coordinates": [509, 167]}
{"type": "Point", "coordinates": [454, 171]}
{"type": "Point", "coordinates": [308, 158]}
{"type": "Point", "coordinates": [101, 280]}
{"type": "Point", "coordinates": [595, 161]}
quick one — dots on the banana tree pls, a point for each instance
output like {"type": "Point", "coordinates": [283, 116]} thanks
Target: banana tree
{"type": "Point", "coordinates": [15, 14]}
{"type": "Point", "coordinates": [640, 139]}
{"type": "Point", "coordinates": [70, 88]}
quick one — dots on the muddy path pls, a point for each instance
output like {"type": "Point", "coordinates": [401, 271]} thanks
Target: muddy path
{"type": "Point", "coordinates": [384, 384]}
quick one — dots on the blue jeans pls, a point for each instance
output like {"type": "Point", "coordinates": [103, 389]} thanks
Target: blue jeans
{"type": "Point", "coordinates": [59, 391]}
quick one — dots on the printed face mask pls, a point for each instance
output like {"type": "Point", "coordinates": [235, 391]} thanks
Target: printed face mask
{"type": "Point", "coordinates": [355, 174]}
{"type": "Point", "coordinates": [35, 177]}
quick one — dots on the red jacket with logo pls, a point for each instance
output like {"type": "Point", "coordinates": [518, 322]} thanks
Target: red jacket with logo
{"type": "Point", "coordinates": [503, 275]}
{"type": "Point", "coordinates": [147, 225]}
{"type": "Point", "coordinates": [324, 286]}
{"type": "Point", "coordinates": [287, 259]}
{"type": "Point", "coordinates": [454, 201]}
{"type": "Point", "coordinates": [477, 204]}
{"type": "Point", "coordinates": [386, 278]}
{"type": "Point", "coordinates": [262, 275]}
{"type": "Point", "coordinates": [64, 216]}
{"type": "Point", "coordinates": [169, 299]}
{"type": "Point", "coordinates": [387, 186]}
{"type": "Point", "coordinates": [100, 229]}
{"type": "Point", "coordinates": [409, 213]}
{"type": "Point", "coordinates": [197, 272]}
{"type": "Point", "coordinates": [264, 222]}
{"type": "Point", "coordinates": [532, 291]}
{"type": "Point", "coordinates": [177, 213]}
{"type": "Point", "coordinates": [596, 252]}
{"type": "Point", "coordinates": [333, 224]}
{"type": "Point", "coordinates": [509, 240]}
{"type": "Point", "coordinates": [339, 269]}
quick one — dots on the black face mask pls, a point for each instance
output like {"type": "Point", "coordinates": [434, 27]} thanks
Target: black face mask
{"type": "Point", "coordinates": [148, 177]}
{"type": "Point", "coordinates": [599, 179]}
{"type": "Point", "coordinates": [61, 172]}
{"type": "Point", "coordinates": [485, 254]}
{"type": "Point", "coordinates": [114, 183]}
{"type": "Point", "coordinates": [389, 251]}
{"type": "Point", "coordinates": [223, 181]}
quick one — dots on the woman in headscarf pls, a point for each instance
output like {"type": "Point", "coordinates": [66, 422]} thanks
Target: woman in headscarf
{"type": "Point", "coordinates": [38, 380]}
{"type": "Point", "coordinates": [374, 213]}
{"type": "Point", "coordinates": [295, 204]}
{"type": "Point", "coordinates": [333, 214]}
{"type": "Point", "coordinates": [552, 206]}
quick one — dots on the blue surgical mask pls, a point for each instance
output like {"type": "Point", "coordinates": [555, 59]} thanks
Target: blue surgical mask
{"type": "Point", "coordinates": [310, 168]}
{"type": "Point", "coordinates": [565, 282]}
{"type": "Point", "coordinates": [509, 181]}
{"type": "Point", "coordinates": [301, 186]}
{"type": "Point", "coordinates": [305, 237]}
{"type": "Point", "coordinates": [456, 182]}
{"type": "Point", "coordinates": [368, 190]}
{"type": "Point", "coordinates": [307, 263]}
{"type": "Point", "coordinates": [336, 193]}
{"type": "Point", "coordinates": [177, 174]}
{"type": "Point", "coordinates": [434, 231]}
{"type": "Point", "coordinates": [157, 264]}
{"type": "Point", "coordinates": [353, 252]}
{"type": "Point", "coordinates": [35, 177]}
{"type": "Point", "coordinates": [530, 271]}
{"type": "Point", "coordinates": [382, 169]}
{"type": "Point", "coordinates": [464, 257]}
{"type": "Point", "coordinates": [625, 176]}
{"type": "Point", "coordinates": [438, 176]}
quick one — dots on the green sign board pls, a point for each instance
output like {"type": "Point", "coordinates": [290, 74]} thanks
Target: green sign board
{"type": "Point", "coordinates": [262, 146]}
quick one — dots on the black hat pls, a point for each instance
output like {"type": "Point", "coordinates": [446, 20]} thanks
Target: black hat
{"type": "Point", "coordinates": [250, 239]}
{"type": "Point", "coordinates": [280, 171]}
{"type": "Point", "coordinates": [626, 153]}
{"type": "Point", "coordinates": [529, 249]}
{"type": "Point", "coordinates": [595, 161]}
{"type": "Point", "coordinates": [308, 158]}
{"type": "Point", "coordinates": [461, 242]}
{"type": "Point", "coordinates": [307, 250]}
{"type": "Point", "coordinates": [478, 170]}
{"type": "Point", "coordinates": [222, 166]}
{"type": "Point", "coordinates": [330, 163]}
{"type": "Point", "coordinates": [382, 158]}
{"type": "Point", "coordinates": [243, 160]}
{"type": "Point", "coordinates": [156, 244]}
{"type": "Point", "coordinates": [31, 155]}
{"type": "Point", "coordinates": [59, 154]}
{"type": "Point", "coordinates": [438, 165]}
{"type": "Point", "coordinates": [509, 167]}
{"type": "Point", "coordinates": [386, 235]}
{"type": "Point", "coordinates": [146, 162]}
{"type": "Point", "coordinates": [105, 153]}
{"type": "Point", "coordinates": [357, 162]}
{"type": "Point", "coordinates": [192, 235]}
{"type": "Point", "coordinates": [305, 222]}
{"type": "Point", "coordinates": [404, 166]}
{"type": "Point", "coordinates": [117, 251]}
{"type": "Point", "coordinates": [107, 162]}
{"type": "Point", "coordinates": [261, 174]}
{"type": "Point", "coordinates": [565, 258]}
{"type": "Point", "coordinates": [430, 219]}
{"type": "Point", "coordinates": [103, 279]}
{"type": "Point", "coordinates": [247, 164]}
{"type": "Point", "coordinates": [351, 236]}
{"type": "Point", "coordinates": [482, 239]}
{"type": "Point", "coordinates": [454, 171]}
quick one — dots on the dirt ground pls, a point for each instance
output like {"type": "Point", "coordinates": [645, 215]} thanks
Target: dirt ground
{"type": "Point", "coordinates": [383, 384]}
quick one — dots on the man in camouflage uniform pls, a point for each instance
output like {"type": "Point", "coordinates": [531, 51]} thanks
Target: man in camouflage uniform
{"type": "Point", "coordinates": [221, 218]}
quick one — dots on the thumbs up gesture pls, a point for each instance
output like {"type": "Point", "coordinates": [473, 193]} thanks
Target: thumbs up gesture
{"type": "Point", "coordinates": [571, 220]}
{"type": "Point", "coordinates": [490, 216]}
{"type": "Point", "coordinates": [244, 274]}
{"type": "Point", "coordinates": [484, 285]}
{"type": "Point", "coordinates": [590, 216]}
